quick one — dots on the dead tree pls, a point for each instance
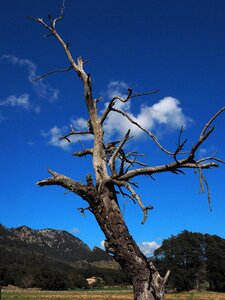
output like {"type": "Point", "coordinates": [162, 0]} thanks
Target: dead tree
{"type": "Point", "coordinates": [114, 169]}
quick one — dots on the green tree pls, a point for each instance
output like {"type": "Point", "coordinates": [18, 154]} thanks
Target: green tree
{"type": "Point", "coordinates": [184, 254]}
{"type": "Point", "coordinates": [196, 261]}
{"type": "Point", "coordinates": [51, 280]}
{"type": "Point", "coordinates": [215, 255]}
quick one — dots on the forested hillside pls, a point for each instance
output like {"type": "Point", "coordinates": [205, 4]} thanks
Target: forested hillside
{"type": "Point", "coordinates": [57, 260]}
{"type": "Point", "coordinates": [52, 259]}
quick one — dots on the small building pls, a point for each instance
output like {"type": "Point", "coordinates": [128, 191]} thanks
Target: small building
{"type": "Point", "coordinates": [95, 281]}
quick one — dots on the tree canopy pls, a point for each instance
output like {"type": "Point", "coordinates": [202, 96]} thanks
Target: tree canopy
{"type": "Point", "coordinates": [196, 261]}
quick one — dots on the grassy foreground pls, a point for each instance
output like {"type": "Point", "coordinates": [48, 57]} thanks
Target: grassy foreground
{"type": "Point", "coordinates": [100, 294]}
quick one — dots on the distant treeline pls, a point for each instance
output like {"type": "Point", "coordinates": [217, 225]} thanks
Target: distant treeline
{"type": "Point", "coordinates": [196, 261]}
{"type": "Point", "coordinates": [37, 270]}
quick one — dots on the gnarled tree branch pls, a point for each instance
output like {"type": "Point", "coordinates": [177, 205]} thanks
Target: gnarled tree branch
{"type": "Point", "coordinates": [136, 197]}
{"type": "Point", "coordinates": [116, 153]}
{"type": "Point", "coordinates": [88, 151]}
{"type": "Point", "coordinates": [53, 72]}
{"type": "Point", "coordinates": [100, 193]}
{"type": "Point", "coordinates": [165, 168]}
{"type": "Point", "coordinates": [67, 183]}
{"type": "Point", "coordinates": [153, 137]}
{"type": "Point", "coordinates": [128, 98]}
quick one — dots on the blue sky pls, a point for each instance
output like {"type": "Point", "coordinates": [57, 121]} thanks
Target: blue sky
{"type": "Point", "coordinates": [176, 46]}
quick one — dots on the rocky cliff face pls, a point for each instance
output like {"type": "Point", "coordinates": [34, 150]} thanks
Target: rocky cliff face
{"type": "Point", "coordinates": [54, 243]}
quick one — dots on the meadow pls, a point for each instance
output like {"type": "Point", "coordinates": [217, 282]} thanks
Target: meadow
{"type": "Point", "coordinates": [104, 294]}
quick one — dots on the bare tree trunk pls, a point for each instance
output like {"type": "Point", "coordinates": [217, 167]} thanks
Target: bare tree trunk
{"type": "Point", "coordinates": [146, 281]}
{"type": "Point", "coordinates": [101, 197]}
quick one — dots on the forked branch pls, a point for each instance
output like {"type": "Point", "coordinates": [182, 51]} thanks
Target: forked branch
{"type": "Point", "coordinates": [73, 132]}
{"type": "Point", "coordinates": [109, 153]}
{"type": "Point", "coordinates": [116, 153]}
{"type": "Point", "coordinates": [187, 163]}
{"type": "Point", "coordinates": [124, 100]}
{"type": "Point", "coordinates": [77, 67]}
{"type": "Point", "coordinates": [207, 130]}
{"type": "Point", "coordinates": [203, 133]}
{"type": "Point", "coordinates": [153, 137]}
{"type": "Point", "coordinates": [136, 197]}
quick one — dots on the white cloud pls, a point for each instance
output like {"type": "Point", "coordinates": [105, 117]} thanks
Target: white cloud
{"type": "Point", "coordinates": [166, 112]}
{"type": "Point", "coordinates": [56, 132]}
{"type": "Point", "coordinates": [80, 124]}
{"type": "Point", "coordinates": [53, 135]}
{"type": "Point", "coordinates": [117, 88]}
{"type": "Point", "coordinates": [148, 248]}
{"type": "Point", "coordinates": [20, 101]}
{"type": "Point", "coordinates": [165, 115]}
{"type": "Point", "coordinates": [41, 88]}
{"type": "Point", "coordinates": [23, 101]}
{"type": "Point", "coordinates": [102, 245]}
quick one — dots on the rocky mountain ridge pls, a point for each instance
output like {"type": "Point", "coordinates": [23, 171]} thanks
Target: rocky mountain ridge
{"type": "Point", "coordinates": [43, 237]}
{"type": "Point", "coordinates": [52, 260]}
{"type": "Point", "coordinates": [58, 244]}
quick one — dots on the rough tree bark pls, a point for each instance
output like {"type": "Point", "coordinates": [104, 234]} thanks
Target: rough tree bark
{"type": "Point", "coordinates": [112, 178]}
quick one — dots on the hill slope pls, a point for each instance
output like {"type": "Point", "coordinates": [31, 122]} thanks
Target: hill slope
{"type": "Point", "coordinates": [51, 259]}
{"type": "Point", "coordinates": [54, 243]}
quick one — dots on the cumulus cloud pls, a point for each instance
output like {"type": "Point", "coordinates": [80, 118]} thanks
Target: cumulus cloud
{"type": "Point", "coordinates": [148, 248]}
{"type": "Point", "coordinates": [53, 136]}
{"type": "Point", "coordinates": [117, 88]}
{"type": "Point", "coordinates": [56, 132]}
{"type": "Point", "coordinates": [80, 124]}
{"type": "Point", "coordinates": [165, 115]}
{"type": "Point", "coordinates": [20, 101]}
{"type": "Point", "coordinates": [167, 112]}
{"type": "Point", "coordinates": [23, 101]}
{"type": "Point", "coordinates": [41, 88]}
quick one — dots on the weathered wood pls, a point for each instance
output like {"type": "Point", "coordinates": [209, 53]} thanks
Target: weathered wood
{"type": "Point", "coordinates": [100, 193]}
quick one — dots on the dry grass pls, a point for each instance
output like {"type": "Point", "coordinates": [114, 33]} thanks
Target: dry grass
{"type": "Point", "coordinates": [46, 295]}
{"type": "Point", "coordinates": [196, 296]}
{"type": "Point", "coordinates": [100, 294]}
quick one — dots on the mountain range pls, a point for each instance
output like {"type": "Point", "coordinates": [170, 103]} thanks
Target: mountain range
{"type": "Point", "coordinates": [26, 255]}
{"type": "Point", "coordinates": [57, 244]}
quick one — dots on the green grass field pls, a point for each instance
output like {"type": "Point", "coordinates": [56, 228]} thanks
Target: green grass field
{"type": "Point", "coordinates": [118, 294]}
